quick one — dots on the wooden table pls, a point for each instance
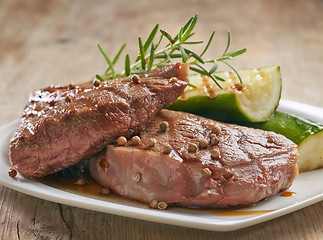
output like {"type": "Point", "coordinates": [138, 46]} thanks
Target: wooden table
{"type": "Point", "coordinates": [54, 42]}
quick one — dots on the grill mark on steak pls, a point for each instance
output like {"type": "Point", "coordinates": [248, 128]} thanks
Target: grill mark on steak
{"type": "Point", "coordinates": [253, 164]}
{"type": "Point", "coordinates": [56, 132]}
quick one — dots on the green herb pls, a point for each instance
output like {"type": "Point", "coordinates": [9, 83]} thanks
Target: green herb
{"type": "Point", "coordinates": [127, 65]}
{"type": "Point", "coordinates": [111, 67]}
{"type": "Point", "coordinates": [177, 47]}
{"type": "Point", "coordinates": [99, 77]}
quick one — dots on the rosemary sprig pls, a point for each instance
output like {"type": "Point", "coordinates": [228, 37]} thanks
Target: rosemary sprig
{"type": "Point", "coordinates": [111, 67]}
{"type": "Point", "coordinates": [177, 47]}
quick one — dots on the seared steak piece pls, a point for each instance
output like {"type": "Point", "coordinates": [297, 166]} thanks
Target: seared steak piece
{"type": "Point", "coordinates": [198, 162]}
{"type": "Point", "coordinates": [63, 125]}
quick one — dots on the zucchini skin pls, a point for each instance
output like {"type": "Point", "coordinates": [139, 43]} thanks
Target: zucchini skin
{"type": "Point", "coordinates": [295, 128]}
{"type": "Point", "coordinates": [224, 107]}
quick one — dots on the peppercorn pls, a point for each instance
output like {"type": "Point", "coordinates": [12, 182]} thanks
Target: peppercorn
{"type": "Point", "coordinates": [162, 205]}
{"type": "Point", "coordinates": [71, 86]}
{"type": "Point", "coordinates": [163, 126]}
{"type": "Point", "coordinates": [105, 191]}
{"type": "Point", "coordinates": [12, 172]}
{"type": "Point", "coordinates": [153, 204]}
{"type": "Point", "coordinates": [135, 78]}
{"type": "Point", "coordinates": [167, 148]}
{"type": "Point", "coordinates": [135, 177]}
{"type": "Point", "coordinates": [214, 139]}
{"type": "Point", "coordinates": [192, 147]}
{"type": "Point", "coordinates": [207, 171]}
{"type": "Point", "coordinates": [96, 82]}
{"type": "Point", "coordinates": [121, 141]}
{"type": "Point", "coordinates": [216, 130]}
{"type": "Point", "coordinates": [215, 153]}
{"type": "Point", "coordinates": [135, 140]}
{"type": "Point", "coordinates": [80, 182]}
{"type": "Point", "coordinates": [203, 143]}
{"type": "Point", "coordinates": [68, 99]}
{"type": "Point", "coordinates": [152, 142]}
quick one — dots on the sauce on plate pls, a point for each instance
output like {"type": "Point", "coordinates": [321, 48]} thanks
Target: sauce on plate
{"type": "Point", "coordinates": [69, 180]}
{"type": "Point", "coordinates": [287, 194]}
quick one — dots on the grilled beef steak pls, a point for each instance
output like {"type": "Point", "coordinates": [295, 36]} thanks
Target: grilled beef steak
{"type": "Point", "coordinates": [198, 162]}
{"type": "Point", "coordinates": [63, 125]}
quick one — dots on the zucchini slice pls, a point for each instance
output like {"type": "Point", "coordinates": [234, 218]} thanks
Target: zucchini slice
{"type": "Point", "coordinates": [252, 101]}
{"type": "Point", "coordinates": [307, 134]}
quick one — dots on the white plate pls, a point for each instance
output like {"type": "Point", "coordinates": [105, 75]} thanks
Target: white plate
{"type": "Point", "coordinates": [202, 219]}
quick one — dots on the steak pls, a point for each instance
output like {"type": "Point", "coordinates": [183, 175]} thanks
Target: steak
{"type": "Point", "coordinates": [199, 162]}
{"type": "Point", "coordinates": [63, 125]}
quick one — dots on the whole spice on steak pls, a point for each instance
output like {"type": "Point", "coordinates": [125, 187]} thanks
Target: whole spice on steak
{"type": "Point", "coordinates": [245, 166]}
{"type": "Point", "coordinates": [84, 119]}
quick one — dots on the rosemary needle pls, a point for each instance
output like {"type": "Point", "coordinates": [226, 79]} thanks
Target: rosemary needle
{"type": "Point", "coordinates": [150, 55]}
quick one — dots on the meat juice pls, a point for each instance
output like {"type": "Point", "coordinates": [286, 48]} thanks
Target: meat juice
{"type": "Point", "coordinates": [92, 189]}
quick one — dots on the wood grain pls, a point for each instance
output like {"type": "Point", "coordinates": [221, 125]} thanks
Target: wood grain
{"type": "Point", "coordinates": [54, 42]}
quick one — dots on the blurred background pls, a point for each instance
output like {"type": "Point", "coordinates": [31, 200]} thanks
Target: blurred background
{"type": "Point", "coordinates": [55, 41]}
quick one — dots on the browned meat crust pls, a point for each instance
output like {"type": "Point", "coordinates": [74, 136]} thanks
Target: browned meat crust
{"type": "Point", "coordinates": [63, 125]}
